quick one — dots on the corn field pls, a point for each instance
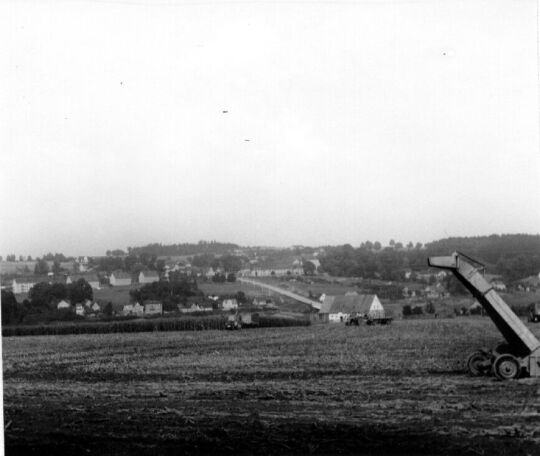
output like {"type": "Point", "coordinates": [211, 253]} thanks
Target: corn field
{"type": "Point", "coordinates": [144, 325]}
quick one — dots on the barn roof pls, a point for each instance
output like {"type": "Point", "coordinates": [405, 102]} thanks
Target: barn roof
{"type": "Point", "coordinates": [347, 304]}
{"type": "Point", "coordinates": [88, 276]}
{"type": "Point", "coordinates": [34, 279]}
{"type": "Point", "coordinates": [121, 275]}
{"type": "Point", "coordinates": [150, 274]}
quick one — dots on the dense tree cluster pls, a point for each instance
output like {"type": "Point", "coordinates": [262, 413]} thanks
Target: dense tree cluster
{"type": "Point", "coordinates": [219, 248]}
{"type": "Point", "coordinates": [12, 311]}
{"type": "Point", "coordinates": [41, 267]}
{"type": "Point", "coordinates": [387, 263]}
{"type": "Point", "coordinates": [171, 293]}
{"type": "Point", "coordinates": [229, 263]}
{"type": "Point", "coordinates": [45, 296]}
{"type": "Point", "coordinates": [512, 256]}
{"type": "Point", "coordinates": [42, 301]}
{"type": "Point", "coordinates": [55, 257]}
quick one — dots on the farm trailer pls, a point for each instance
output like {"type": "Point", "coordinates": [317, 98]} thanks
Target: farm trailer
{"type": "Point", "coordinates": [521, 354]}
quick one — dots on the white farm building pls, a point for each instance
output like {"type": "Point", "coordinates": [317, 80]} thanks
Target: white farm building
{"type": "Point", "coordinates": [339, 308]}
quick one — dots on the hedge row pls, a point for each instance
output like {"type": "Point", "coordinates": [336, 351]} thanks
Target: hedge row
{"type": "Point", "coordinates": [161, 324]}
{"type": "Point", "coordinates": [275, 321]}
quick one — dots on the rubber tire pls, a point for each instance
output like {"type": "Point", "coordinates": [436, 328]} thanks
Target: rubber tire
{"type": "Point", "coordinates": [472, 364]}
{"type": "Point", "coordinates": [506, 367]}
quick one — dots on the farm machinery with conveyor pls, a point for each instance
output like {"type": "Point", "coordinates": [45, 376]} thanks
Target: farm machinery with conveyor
{"type": "Point", "coordinates": [520, 355]}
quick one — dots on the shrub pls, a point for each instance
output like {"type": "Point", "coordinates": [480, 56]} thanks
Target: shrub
{"type": "Point", "coordinates": [417, 310]}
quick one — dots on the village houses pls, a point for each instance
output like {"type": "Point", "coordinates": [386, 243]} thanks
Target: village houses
{"type": "Point", "coordinates": [133, 309]}
{"type": "Point", "coordinates": [194, 308]}
{"type": "Point", "coordinates": [229, 304]}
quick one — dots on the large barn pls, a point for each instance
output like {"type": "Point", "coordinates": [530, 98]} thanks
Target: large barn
{"type": "Point", "coordinates": [339, 308]}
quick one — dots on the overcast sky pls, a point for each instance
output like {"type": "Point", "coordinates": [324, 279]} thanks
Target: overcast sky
{"type": "Point", "coordinates": [411, 120]}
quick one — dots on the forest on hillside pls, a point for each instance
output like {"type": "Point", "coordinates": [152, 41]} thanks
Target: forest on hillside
{"type": "Point", "coordinates": [198, 248]}
{"type": "Point", "coordinates": [513, 256]}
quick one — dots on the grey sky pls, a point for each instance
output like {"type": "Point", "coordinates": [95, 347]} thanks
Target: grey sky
{"type": "Point", "coordinates": [370, 120]}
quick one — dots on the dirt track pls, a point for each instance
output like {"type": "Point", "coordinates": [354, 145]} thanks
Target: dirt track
{"type": "Point", "coordinates": [316, 390]}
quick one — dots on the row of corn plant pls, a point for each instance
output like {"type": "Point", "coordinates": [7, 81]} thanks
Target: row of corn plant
{"type": "Point", "coordinates": [142, 325]}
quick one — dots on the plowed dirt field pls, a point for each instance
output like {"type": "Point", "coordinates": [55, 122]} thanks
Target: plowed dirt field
{"type": "Point", "coordinates": [324, 389]}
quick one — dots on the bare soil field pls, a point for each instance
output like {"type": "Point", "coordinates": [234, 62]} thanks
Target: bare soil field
{"type": "Point", "coordinates": [324, 389]}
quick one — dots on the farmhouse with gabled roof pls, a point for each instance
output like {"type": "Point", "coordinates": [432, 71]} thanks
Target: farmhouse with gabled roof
{"type": "Point", "coordinates": [119, 278]}
{"type": "Point", "coordinates": [148, 277]}
{"type": "Point", "coordinates": [339, 308]}
{"type": "Point", "coordinates": [90, 277]}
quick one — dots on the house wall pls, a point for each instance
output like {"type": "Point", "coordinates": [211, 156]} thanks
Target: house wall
{"type": "Point", "coordinates": [276, 272]}
{"type": "Point", "coordinates": [144, 279]}
{"type": "Point", "coordinates": [338, 317]}
{"type": "Point", "coordinates": [376, 310]}
{"type": "Point", "coordinates": [119, 282]}
{"type": "Point", "coordinates": [229, 304]}
{"type": "Point", "coordinates": [22, 287]}
{"type": "Point", "coordinates": [138, 310]}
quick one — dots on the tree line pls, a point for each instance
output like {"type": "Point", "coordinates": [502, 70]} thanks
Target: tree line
{"type": "Point", "coordinates": [513, 256]}
{"type": "Point", "coordinates": [42, 301]}
{"type": "Point", "coordinates": [170, 294]}
{"type": "Point", "coordinates": [200, 247]}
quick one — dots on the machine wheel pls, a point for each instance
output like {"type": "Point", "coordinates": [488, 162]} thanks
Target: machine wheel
{"type": "Point", "coordinates": [479, 363]}
{"type": "Point", "coordinates": [506, 367]}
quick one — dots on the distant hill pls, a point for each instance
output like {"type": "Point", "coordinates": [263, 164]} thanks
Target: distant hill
{"type": "Point", "coordinates": [489, 249]}
{"type": "Point", "coordinates": [213, 247]}
{"type": "Point", "coordinates": [514, 256]}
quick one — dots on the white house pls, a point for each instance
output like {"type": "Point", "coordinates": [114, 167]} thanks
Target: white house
{"type": "Point", "coordinates": [120, 278]}
{"type": "Point", "coordinates": [63, 305]}
{"type": "Point", "coordinates": [79, 309]}
{"type": "Point", "coordinates": [148, 277]}
{"type": "Point", "coordinates": [194, 308]}
{"type": "Point", "coordinates": [133, 309]}
{"type": "Point", "coordinates": [229, 304]}
{"type": "Point", "coordinates": [209, 272]}
{"type": "Point", "coordinates": [127, 309]}
{"type": "Point", "coordinates": [496, 281]}
{"type": "Point", "coordinates": [23, 284]}
{"type": "Point", "coordinates": [339, 308]}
